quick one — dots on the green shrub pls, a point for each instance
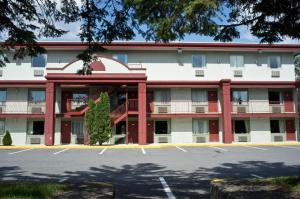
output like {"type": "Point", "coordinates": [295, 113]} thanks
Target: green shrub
{"type": "Point", "coordinates": [7, 141]}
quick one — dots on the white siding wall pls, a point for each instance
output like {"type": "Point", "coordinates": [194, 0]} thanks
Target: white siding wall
{"type": "Point", "coordinates": [260, 130]}
{"type": "Point", "coordinates": [17, 128]}
{"type": "Point", "coordinates": [182, 130]}
{"type": "Point", "coordinates": [57, 136]}
{"type": "Point", "coordinates": [258, 100]}
{"type": "Point", "coordinates": [179, 100]}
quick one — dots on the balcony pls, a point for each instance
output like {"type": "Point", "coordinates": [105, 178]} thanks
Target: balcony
{"type": "Point", "coordinates": [263, 107]}
{"type": "Point", "coordinates": [22, 107]}
{"type": "Point", "coordinates": [180, 107]}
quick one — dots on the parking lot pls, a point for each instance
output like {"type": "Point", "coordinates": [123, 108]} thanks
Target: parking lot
{"type": "Point", "coordinates": [171, 172]}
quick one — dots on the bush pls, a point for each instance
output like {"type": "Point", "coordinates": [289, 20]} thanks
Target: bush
{"type": "Point", "coordinates": [7, 141]}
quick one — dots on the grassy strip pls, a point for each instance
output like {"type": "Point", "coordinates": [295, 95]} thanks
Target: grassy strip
{"type": "Point", "coordinates": [287, 183]}
{"type": "Point", "coordinates": [28, 190]}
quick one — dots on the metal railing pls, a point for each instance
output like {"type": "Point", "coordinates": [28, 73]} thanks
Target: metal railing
{"type": "Point", "coordinates": [22, 107]}
{"type": "Point", "coordinates": [180, 106]}
{"type": "Point", "coordinates": [254, 107]}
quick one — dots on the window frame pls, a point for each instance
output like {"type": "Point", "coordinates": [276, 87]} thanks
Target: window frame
{"type": "Point", "coordinates": [235, 64]}
{"type": "Point", "coordinates": [115, 56]}
{"type": "Point", "coordinates": [168, 126]}
{"type": "Point", "coordinates": [36, 102]}
{"type": "Point", "coordinates": [205, 127]}
{"type": "Point", "coordinates": [243, 102]}
{"type": "Point", "coordinates": [46, 60]}
{"type": "Point", "coordinates": [278, 59]}
{"type": "Point", "coordinates": [203, 61]}
{"type": "Point", "coordinates": [246, 123]}
{"type": "Point", "coordinates": [280, 97]}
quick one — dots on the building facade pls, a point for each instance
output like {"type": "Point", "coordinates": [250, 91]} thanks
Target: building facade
{"type": "Point", "coordinates": [160, 93]}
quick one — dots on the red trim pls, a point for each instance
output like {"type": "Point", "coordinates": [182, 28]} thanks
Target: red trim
{"type": "Point", "coordinates": [142, 117]}
{"type": "Point", "coordinates": [50, 114]}
{"type": "Point", "coordinates": [20, 115]}
{"type": "Point", "coordinates": [264, 115]}
{"type": "Point", "coordinates": [184, 115]}
{"type": "Point", "coordinates": [226, 111]}
{"type": "Point", "coordinates": [22, 83]}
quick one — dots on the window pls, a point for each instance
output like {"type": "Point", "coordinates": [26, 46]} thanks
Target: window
{"type": "Point", "coordinates": [240, 126]}
{"type": "Point", "coordinates": [121, 57]}
{"type": "Point", "coordinates": [198, 61]}
{"type": "Point", "coordinates": [199, 126]}
{"type": "Point", "coordinates": [237, 61]}
{"type": "Point", "coordinates": [38, 127]}
{"type": "Point", "coordinates": [39, 61]}
{"type": "Point", "coordinates": [161, 127]}
{"type": "Point", "coordinates": [240, 97]}
{"type": "Point", "coordinates": [275, 126]}
{"type": "Point", "coordinates": [274, 97]}
{"type": "Point", "coordinates": [2, 127]}
{"type": "Point", "coordinates": [77, 128]}
{"type": "Point", "coordinates": [199, 96]}
{"type": "Point", "coordinates": [121, 128]}
{"type": "Point", "coordinates": [162, 96]}
{"type": "Point", "coordinates": [36, 96]}
{"type": "Point", "coordinates": [80, 98]}
{"type": "Point", "coordinates": [274, 61]}
{"type": "Point", "coordinates": [2, 96]}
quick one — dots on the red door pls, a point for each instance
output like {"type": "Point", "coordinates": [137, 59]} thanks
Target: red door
{"type": "Point", "coordinates": [66, 103]}
{"type": "Point", "coordinates": [132, 132]}
{"type": "Point", "coordinates": [150, 131]}
{"type": "Point", "coordinates": [213, 130]}
{"type": "Point", "coordinates": [290, 130]}
{"type": "Point", "coordinates": [212, 101]}
{"type": "Point", "coordinates": [288, 101]}
{"type": "Point", "coordinates": [65, 132]}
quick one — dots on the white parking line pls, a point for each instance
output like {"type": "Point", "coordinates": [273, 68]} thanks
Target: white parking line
{"type": "Point", "coordinates": [257, 176]}
{"type": "Point", "coordinates": [143, 151]}
{"type": "Point", "coordinates": [102, 151]}
{"type": "Point", "coordinates": [60, 151]}
{"type": "Point", "coordinates": [218, 148]}
{"type": "Point", "coordinates": [253, 147]}
{"type": "Point", "coordinates": [290, 147]}
{"type": "Point", "coordinates": [180, 148]}
{"type": "Point", "coordinates": [20, 151]}
{"type": "Point", "coordinates": [166, 188]}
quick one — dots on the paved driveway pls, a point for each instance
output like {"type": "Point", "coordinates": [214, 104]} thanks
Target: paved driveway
{"type": "Point", "coordinates": [172, 172]}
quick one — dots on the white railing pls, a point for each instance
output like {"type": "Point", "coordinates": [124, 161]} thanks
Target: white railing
{"type": "Point", "coordinates": [179, 106]}
{"type": "Point", "coordinates": [23, 107]}
{"type": "Point", "coordinates": [258, 108]}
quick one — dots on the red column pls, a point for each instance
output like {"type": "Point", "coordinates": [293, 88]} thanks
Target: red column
{"type": "Point", "coordinates": [142, 134]}
{"type": "Point", "coordinates": [50, 114]}
{"type": "Point", "coordinates": [226, 111]}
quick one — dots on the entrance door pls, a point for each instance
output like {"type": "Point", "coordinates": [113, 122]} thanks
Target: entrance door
{"type": "Point", "coordinates": [65, 132]}
{"type": "Point", "coordinates": [290, 130]}
{"type": "Point", "coordinates": [212, 99]}
{"type": "Point", "coordinates": [132, 132]}
{"type": "Point", "coordinates": [288, 101]}
{"type": "Point", "coordinates": [213, 130]}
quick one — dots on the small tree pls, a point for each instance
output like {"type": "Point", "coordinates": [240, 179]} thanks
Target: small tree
{"type": "Point", "coordinates": [7, 141]}
{"type": "Point", "coordinates": [98, 120]}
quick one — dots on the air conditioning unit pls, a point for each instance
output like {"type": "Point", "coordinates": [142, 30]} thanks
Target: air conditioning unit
{"type": "Point", "coordinates": [275, 74]}
{"type": "Point", "coordinates": [162, 109]}
{"type": "Point", "coordinates": [35, 140]}
{"type": "Point", "coordinates": [238, 73]}
{"type": "Point", "coordinates": [38, 73]}
{"type": "Point", "coordinates": [200, 109]}
{"type": "Point", "coordinates": [200, 139]}
{"type": "Point", "coordinates": [276, 109]}
{"type": "Point", "coordinates": [278, 138]}
{"type": "Point", "coordinates": [242, 138]}
{"type": "Point", "coordinates": [163, 139]}
{"type": "Point", "coordinates": [199, 73]}
{"type": "Point", "coordinates": [241, 109]}
{"type": "Point", "coordinates": [36, 110]}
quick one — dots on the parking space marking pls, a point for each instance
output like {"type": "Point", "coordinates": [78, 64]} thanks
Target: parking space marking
{"type": "Point", "coordinates": [58, 152]}
{"type": "Point", "coordinates": [257, 176]}
{"type": "Point", "coordinates": [143, 151]}
{"type": "Point", "coordinates": [166, 188]}
{"type": "Point", "coordinates": [290, 147]}
{"type": "Point", "coordinates": [20, 151]}
{"type": "Point", "coordinates": [180, 148]}
{"type": "Point", "coordinates": [218, 148]}
{"type": "Point", "coordinates": [103, 150]}
{"type": "Point", "coordinates": [254, 147]}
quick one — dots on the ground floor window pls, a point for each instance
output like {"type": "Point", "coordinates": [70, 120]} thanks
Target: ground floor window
{"type": "Point", "coordinates": [275, 126]}
{"type": "Point", "coordinates": [199, 126]}
{"type": "Point", "coordinates": [2, 127]}
{"type": "Point", "coordinates": [161, 127]}
{"type": "Point", "coordinates": [38, 127]}
{"type": "Point", "coordinates": [121, 128]}
{"type": "Point", "coordinates": [77, 128]}
{"type": "Point", "coordinates": [240, 126]}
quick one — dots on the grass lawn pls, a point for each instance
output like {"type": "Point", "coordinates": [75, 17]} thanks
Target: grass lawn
{"type": "Point", "coordinates": [289, 184]}
{"type": "Point", "coordinates": [28, 190]}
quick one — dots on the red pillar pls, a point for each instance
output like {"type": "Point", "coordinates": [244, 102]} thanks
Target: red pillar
{"type": "Point", "coordinates": [50, 114]}
{"type": "Point", "coordinates": [226, 111]}
{"type": "Point", "coordinates": [142, 120]}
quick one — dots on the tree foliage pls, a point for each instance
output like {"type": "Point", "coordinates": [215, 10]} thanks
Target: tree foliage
{"type": "Point", "coordinates": [98, 120]}
{"type": "Point", "coordinates": [7, 141]}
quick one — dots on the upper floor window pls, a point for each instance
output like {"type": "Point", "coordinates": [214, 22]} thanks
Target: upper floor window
{"type": "Point", "coordinates": [236, 61]}
{"type": "Point", "coordinates": [37, 96]}
{"type": "Point", "coordinates": [2, 127]}
{"type": "Point", "coordinates": [274, 62]}
{"type": "Point", "coordinates": [162, 96]}
{"type": "Point", "coordinates": [199, 126]}
{"type": "Point", "coordinates": [240, 96]}
{"type": "Point", "coordinates": [122, 58]}
{"type": "Point", "coordinates": [199, 96]}
{"type": "Point", "coordinates": [198, 61]}
{"type": "Point", "coordinates": [2, 96]}
{"type": "Point", "coordinates": [274, 97]}
{"type": "Point", "coordinates": [39, 61]}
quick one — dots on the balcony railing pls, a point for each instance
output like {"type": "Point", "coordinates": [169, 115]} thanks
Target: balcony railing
{"type": "Point", "coordinates": [179, 106]}
{"type": "Point", "coordinates": [258, 108]}
{"type": "Point", "coordinates": [22, 107]}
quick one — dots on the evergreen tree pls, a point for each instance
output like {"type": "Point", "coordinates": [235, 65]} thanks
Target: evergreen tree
{"type": "Point", "coordinates": [7, 141]}
{"type": "Point", "coordinates": [90, 122]}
